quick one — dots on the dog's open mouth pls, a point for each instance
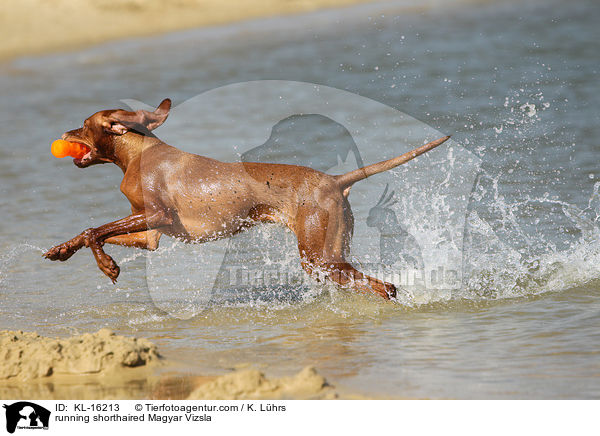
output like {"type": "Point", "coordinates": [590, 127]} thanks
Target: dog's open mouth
{"type": "Point", "coordinates": [87, 157]}
{"type": "Point", "coordinates": [84, 155]}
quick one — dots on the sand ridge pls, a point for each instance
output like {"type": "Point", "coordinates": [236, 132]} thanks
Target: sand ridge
{"type": "Point", "coordinates": [28, 356]}
{"type": "Point", "coordinates": [251, 384]}
{"type": "Point", "coordinates": [104, 365]}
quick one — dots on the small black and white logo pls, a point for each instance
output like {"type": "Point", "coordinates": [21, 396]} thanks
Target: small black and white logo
{"type": "Point", "coordinates": [26, 415]}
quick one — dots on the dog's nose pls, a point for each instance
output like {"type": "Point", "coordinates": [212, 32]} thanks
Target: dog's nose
{"type": "Point", "coordinates": [64, 135]}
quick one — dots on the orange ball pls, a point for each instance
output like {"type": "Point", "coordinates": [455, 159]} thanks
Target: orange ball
{"type": "Point", "coordinates": [78, 150]}
{"type": "Point", "coordinates": [61, 148]}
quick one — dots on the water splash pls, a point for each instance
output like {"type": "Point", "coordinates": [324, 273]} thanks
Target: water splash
{"type": "Point", "coordinates": [525, 261]}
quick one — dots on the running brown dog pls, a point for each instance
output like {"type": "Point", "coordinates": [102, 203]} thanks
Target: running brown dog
{"type": "Point", "coordinates": [197, 199]}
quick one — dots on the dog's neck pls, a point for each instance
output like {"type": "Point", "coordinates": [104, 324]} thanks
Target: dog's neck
{"type": "Point", "coordinates": [130, 146]}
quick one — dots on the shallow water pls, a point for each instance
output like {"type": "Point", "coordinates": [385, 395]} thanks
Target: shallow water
{"type": "Point", "coordinates": [515, 83]}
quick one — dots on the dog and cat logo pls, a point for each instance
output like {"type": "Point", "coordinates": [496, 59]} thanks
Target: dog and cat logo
{"type": "Point", "coordinates": [24, 415]}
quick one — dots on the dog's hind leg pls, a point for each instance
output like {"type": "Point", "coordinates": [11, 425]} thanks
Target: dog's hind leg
{"type": "Point", "coordinates": [324, 242]}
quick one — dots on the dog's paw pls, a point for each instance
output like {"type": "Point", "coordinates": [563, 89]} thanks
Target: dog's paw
{"type": "Point", "coordinates": [61, 252]}
{"type": "Point", "coordinates": [110, 268]}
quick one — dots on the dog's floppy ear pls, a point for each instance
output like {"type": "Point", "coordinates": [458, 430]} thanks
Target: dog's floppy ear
{"type": "Point", "coordinates": [121, 121]}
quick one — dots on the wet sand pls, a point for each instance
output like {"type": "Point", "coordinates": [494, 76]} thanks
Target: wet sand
{"type": "Point", "coordinates": [38, 26]}
{"type": "Point", "coordinates": [103, 365]}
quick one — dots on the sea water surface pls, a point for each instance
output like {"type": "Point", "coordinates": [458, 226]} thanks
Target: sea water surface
{"type": "Point", "coordinates": [515, 83]}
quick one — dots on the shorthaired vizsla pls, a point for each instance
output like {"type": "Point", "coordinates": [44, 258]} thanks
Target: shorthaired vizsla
{"type": "Point", "coordinates": [196, 199]}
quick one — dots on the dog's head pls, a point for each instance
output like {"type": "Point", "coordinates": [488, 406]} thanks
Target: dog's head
{"type": "Point", "coordinates": [105, 129]}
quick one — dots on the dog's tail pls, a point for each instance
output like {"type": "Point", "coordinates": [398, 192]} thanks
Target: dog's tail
{"type": "Point", "coordinates": [348, 179]}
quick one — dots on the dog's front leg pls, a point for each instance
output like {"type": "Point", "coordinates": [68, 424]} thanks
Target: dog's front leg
{"type": "Point", "coordinates": [94, 239]}
{"type": "Point", "coordinates": [147, 240]}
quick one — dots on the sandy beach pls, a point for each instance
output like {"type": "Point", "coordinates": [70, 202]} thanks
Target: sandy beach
{"type": "Point", "coordinates": [30, 27]}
